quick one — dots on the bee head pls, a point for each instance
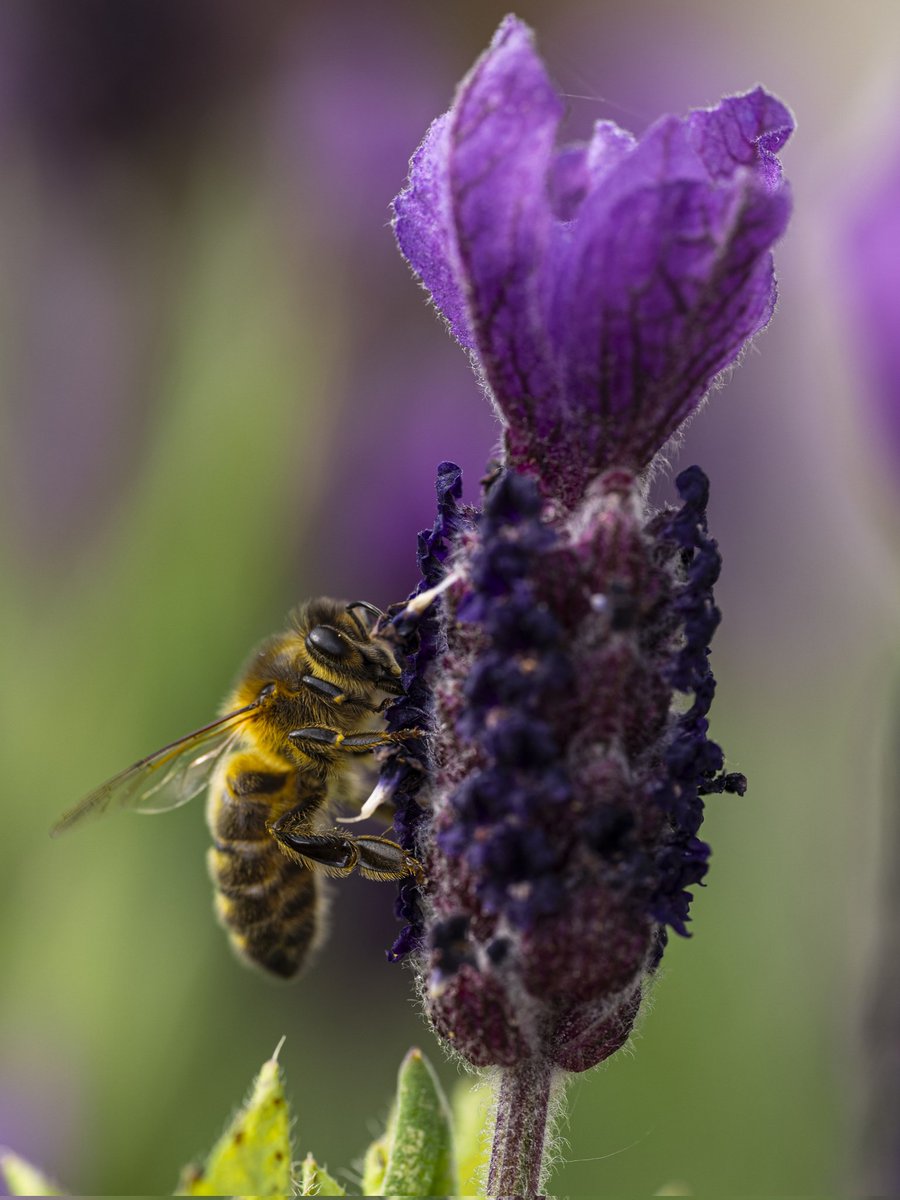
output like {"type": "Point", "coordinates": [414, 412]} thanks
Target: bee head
{"type": "Point", "coordinates": [341, 643]}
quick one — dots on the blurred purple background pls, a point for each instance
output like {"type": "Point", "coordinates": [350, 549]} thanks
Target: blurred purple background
{"type": "Point", "coordinates": [222, 391]}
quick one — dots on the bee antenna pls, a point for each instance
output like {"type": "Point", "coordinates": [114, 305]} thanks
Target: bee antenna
{"type": "Point", "coordinates": [372, 608]}
{"type": "Point", "coordinates": [369, 608]}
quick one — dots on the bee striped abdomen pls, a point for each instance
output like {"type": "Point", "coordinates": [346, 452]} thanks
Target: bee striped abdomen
{"type": "Point", "coordinates": [268, 904]}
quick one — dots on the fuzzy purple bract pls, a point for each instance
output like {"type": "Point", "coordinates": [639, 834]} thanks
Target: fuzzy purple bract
{"type": "Point", "coordinates": [563, 674]}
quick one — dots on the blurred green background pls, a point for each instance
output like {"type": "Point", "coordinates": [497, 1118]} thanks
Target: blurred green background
{"type": "Point", "coordinates": [222, 392]}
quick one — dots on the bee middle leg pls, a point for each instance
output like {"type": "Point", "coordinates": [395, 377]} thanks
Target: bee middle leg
{"type": "Point", "coordinates": [354, 743]}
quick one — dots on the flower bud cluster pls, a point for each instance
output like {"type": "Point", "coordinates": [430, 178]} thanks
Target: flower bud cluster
{"type": "Point", "coordinates": [405, 766]}
{"type": "Point", "coordinates": [564, 795]}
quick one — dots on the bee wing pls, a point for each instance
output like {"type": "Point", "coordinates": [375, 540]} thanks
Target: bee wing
{"type": "Point", "coordinates": [165, 779]}
{"type": "Point", "coordinates": [184, 777]}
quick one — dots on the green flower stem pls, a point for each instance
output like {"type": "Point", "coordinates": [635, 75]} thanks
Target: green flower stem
{"type": "Point", "coordinates": [520, 1134]}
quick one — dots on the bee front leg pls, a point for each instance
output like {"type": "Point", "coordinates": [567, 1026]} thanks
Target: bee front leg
{"type": "Point", "coordinates": [335, 695]}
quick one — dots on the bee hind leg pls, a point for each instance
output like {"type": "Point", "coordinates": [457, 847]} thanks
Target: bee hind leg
{"type": "Point", "coordinates": [331, 853]}
{"type": "Point", "coordinates": [340, 854]}
{"type": "Point", "coordinates": [382, 859]}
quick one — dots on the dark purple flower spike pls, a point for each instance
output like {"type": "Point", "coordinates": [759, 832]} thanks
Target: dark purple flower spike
{"type": "Point", "coordinates": [600, 287]}
{"type": "Point", "coordinates": [557, 801]}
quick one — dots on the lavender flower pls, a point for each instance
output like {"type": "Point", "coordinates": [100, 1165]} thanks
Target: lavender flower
{"type": "Point", "coordinates": [599, 289]}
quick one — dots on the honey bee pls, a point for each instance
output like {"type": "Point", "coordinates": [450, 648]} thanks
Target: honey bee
{"type": "Point", "coordinates": [274, 763]}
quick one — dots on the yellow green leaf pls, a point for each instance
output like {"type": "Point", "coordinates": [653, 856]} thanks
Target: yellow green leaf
{"type": "Point", "coordinates": [374, 1167]}
{"type": "Point", "coordinates": [253, 1155]}
{"type": "Point", "coordinates": [315, 1180]}
{"type": "Point", "coordinates": [22, 1179]}
{"type": "Point", "coordinates": [472, 1104]}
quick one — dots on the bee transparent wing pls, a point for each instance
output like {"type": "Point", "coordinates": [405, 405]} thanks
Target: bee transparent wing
{"type": "Point", "coordinates": [164, 780]}
{"type": "Point", "coordinates": [185, 776]}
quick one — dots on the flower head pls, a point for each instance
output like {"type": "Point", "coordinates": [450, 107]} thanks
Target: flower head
{"type": "Point", "coordinates": [563, 674]}
{"type": "Point", "coordinates": [599, 287]}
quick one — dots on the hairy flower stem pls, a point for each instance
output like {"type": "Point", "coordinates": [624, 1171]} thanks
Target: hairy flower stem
{"type": "Point", "coordinates": [517, 1154]}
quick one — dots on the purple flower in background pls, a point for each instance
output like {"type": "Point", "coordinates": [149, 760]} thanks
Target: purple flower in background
{"type": "Point", "coordinates": [871, 243]}
{"type": "Point", "coordinates": [873, 270]}
{"type": "Point", "coordinates": [599, 289]}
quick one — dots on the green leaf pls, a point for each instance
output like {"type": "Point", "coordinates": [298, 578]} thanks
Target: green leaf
{"type": "Point", "coordinates": [374, 1167]}
{"type": "Point", "coordinates": [315, 1180]}
{"type": "Point", "coordinates": [472, 1105]}
{"type": "Point", "coordinates": [420, 1160]}
{"type": "Point", "coordinates": [22, 1179]}
{"type": "Point", "coordinates": [253, 1155]}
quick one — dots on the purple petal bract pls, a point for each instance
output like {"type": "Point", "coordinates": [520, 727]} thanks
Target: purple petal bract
{"type": "Point", "coordinates": [600, 287]}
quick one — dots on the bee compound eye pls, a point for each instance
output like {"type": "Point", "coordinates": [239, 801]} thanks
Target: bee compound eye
{"type": "Point", "coordinates": [327, 641]}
